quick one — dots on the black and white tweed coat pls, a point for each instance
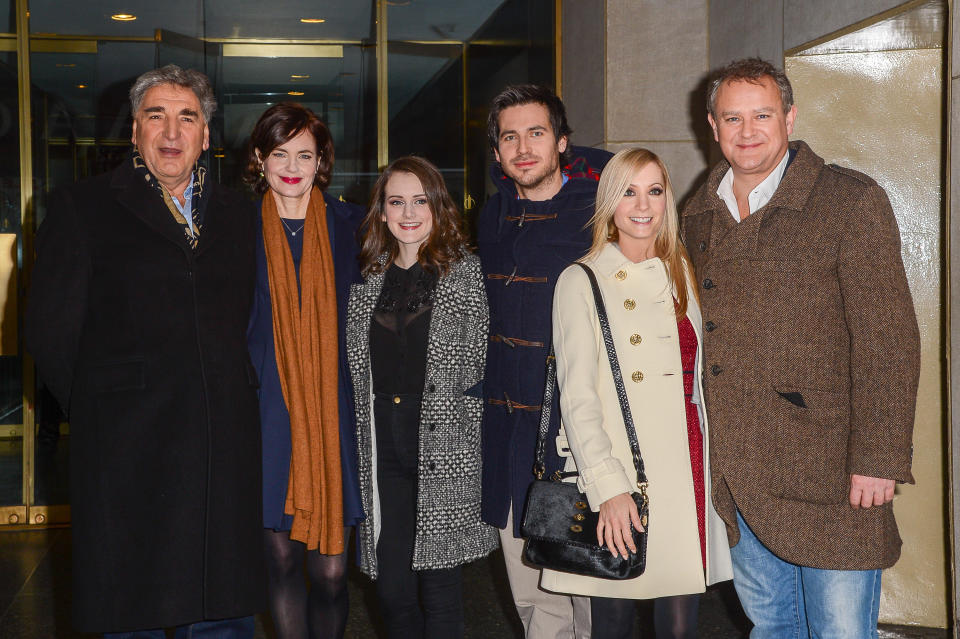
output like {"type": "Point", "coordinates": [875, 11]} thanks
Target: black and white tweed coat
{"type": "Point", "coordinates": [449, 531]}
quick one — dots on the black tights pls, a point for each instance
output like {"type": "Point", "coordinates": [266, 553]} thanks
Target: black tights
{"type": "Point", "coordinates": [673, 617]}
{"type": "Point", "coordinates": [324, 609]}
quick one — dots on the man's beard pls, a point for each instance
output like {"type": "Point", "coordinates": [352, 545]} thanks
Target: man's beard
{"type": "Point", "coordinates": [531, 180]}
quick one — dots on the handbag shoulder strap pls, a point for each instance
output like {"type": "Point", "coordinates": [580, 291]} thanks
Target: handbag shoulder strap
{"type": "Point", "coordinates": [617, 380]}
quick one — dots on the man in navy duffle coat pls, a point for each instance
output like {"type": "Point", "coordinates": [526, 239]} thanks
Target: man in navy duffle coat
{"type": "Point", "coordinates": [528, 232]}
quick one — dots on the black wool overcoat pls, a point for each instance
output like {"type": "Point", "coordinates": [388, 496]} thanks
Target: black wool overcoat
{"type": "Point", "coordinates": [143, 341]}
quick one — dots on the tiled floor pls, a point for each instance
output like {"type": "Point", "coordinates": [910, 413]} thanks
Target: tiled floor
{"type": "Point", "coordinates": [35, 598]}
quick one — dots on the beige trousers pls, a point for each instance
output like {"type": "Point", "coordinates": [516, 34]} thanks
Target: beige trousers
{"type": "Point", "coordinates": [545, 615]}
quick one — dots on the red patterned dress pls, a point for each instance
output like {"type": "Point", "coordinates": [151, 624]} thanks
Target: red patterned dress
{"type": "Point", "coordinates": [688, 358]}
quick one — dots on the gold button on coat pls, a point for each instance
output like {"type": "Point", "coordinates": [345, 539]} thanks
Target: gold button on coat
{"type": "Point", "coordinates": [629, 304]}
{"type": "Point", "coordinates": [635, 339]}
{"type": "Point", "coordinates": [637, 376]}
{"type": "Point", "coordinates": [396, 399]}
{"type": "Point", "coordinates": [621, 275]}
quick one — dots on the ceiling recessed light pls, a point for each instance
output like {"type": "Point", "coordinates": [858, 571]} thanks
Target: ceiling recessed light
{"type": "Point", "coordinates": [81, 86]}
{"type": "Point", "coordinates": [312, 20]}
{"type": "Point", "coordinates": [123, 17]}
{"type": "Point", "coordinates": [294, 92]}
{"type": "Point", "coordinates": [299, 77]}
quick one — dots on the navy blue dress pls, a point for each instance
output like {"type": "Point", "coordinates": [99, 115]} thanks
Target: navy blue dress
{"type": "Point", "coordinates": [342, 221]}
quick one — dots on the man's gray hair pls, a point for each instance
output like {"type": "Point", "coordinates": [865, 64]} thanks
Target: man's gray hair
{"type": "Point", "coordinates": [172, 74]}
{"type": "Point", "coordinates": [749, 70]}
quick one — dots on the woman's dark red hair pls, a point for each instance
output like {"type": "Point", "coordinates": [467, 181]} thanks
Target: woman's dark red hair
{"type": "Point", "coordinates": [445, 244]}
{"type": "Point", "coordinates": [278, 124]}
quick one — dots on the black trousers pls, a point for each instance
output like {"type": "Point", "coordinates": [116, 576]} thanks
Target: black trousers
{"type": "Point", "coordinates": [414, 603]}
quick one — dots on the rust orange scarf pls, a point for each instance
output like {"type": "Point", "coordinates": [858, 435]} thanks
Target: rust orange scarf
{"type": "Point", "coordinates": [305, 341]}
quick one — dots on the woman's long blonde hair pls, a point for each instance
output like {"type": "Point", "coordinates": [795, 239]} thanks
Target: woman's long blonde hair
{"type": "Point", "coordinates": [614, 180]}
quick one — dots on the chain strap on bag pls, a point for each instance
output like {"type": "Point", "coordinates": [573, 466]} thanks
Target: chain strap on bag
{"type": "Point", "coordinates": [558, 524]}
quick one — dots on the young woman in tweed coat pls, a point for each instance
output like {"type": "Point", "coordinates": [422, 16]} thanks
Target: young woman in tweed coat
{"type": "Point", "coordinates": [416, 335]}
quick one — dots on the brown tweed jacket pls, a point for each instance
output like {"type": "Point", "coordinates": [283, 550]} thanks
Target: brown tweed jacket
{"type": "Point", "coordinates": [811, 361]}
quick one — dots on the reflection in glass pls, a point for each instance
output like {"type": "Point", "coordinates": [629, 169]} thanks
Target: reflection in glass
{"type": "Point", "coordinates": [446, 62]}
{"type": "Point", "coordinates": [339, 87]}
{"type": "Point", "coordinates": [515, 45]}
{"type": "Point", "coordinates": [426, 107]}
{"type": "Point", "coordinates": [433, 20]}
{"type": "Point", "coordinates": [82, 113]}
{"type": "Point", "coordinates": [342, 20]}
{"type": "Point", "coordinates": [7, 21]}
{"type": "Point", "coordinates": [93, 17]}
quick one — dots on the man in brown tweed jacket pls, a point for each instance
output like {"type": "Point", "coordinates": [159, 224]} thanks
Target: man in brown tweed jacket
{"type": "Point", "coordinates": [812, 357]}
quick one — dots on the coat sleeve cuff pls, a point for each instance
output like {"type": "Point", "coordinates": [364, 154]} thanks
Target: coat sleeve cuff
{"type": "Point", "coordinates": [883, 468]}
{"type": "Point", "coordinates": [603, 481]}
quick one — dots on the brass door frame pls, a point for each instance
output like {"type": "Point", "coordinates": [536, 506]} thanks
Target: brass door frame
{"type": "Point", "coordinates": [27, 513]}
{"type": "Point", "coordinates": [28, 378]}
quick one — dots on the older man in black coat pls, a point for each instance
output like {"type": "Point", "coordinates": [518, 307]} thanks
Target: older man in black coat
{"type": "Point", "coordinates": [137, 317]}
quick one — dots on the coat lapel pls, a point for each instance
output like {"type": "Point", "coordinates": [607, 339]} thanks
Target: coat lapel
{"type": "Point", "coordinates": [146, 204]}
{"type": "Point", "coordinates": [344, 251]}
{"type": "Point", "coordinates": [215, 218]}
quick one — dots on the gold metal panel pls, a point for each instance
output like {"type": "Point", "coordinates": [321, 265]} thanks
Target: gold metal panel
{"type": "Point", "coordinates": [83, 141]}
{"type": "Point", "coordinates": [97, 38]}
{"type": "Point", "coordinates": [8, 294]}
{"type": "Point", "coordinates": [879, 112]}
{"type": "Point", "coordinates": [11, 431]}
{"type": "Point", "coordinates": [62, 46]}
{"type": "Point", "coordinates": [49, 515]}
{"type": "Point", "coordinates": [13, 515]}
{"type": "Point", "coordinates": [920, 28]}
{"type": "Point", "coordinates": [383, 107]}
{"type": "Point", "coordinates": [284, 41]}
{"type": "Point", "coordinates": [807, 47]}
{"type": "Point", "coordinates": [6, 44]}
{"type": "Point", "coordinates": [238, 50]}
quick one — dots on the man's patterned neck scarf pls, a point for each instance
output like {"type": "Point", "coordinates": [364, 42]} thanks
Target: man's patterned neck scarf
{"type": "Point", "coordinates": [198, 202]}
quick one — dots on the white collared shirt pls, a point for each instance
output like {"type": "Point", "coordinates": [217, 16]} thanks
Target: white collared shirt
{"type": "Point", "coordinates": [759, 196]}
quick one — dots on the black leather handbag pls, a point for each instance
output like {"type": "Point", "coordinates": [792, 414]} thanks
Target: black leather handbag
{"type": "Point", "coordinates": [560, 528]}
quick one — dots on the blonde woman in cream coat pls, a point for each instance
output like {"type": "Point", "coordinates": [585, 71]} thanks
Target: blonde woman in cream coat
{"type": "Point", "coordinates": [645, 277]}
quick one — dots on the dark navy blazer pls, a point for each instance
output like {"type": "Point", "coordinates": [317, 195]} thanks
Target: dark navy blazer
{"type": "Point", "coordinates": [342, 222]}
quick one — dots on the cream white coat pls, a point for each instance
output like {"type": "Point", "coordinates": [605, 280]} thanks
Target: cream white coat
{"type": "Point", "coordinates": [639, 302]}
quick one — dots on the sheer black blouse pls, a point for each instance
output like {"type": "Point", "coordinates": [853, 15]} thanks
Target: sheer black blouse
{"type": "Point", "coordinates": [399, 330]}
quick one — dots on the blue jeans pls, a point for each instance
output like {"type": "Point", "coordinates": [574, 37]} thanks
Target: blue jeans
{"type": "Point", "coordinates": [786, 601]}
{"type": "Point", "coordinates": [235, 628]}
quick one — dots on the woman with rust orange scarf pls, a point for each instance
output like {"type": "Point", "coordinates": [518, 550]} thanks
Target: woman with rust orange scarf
{"type": "Point", "coordinates": [306, 261]}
